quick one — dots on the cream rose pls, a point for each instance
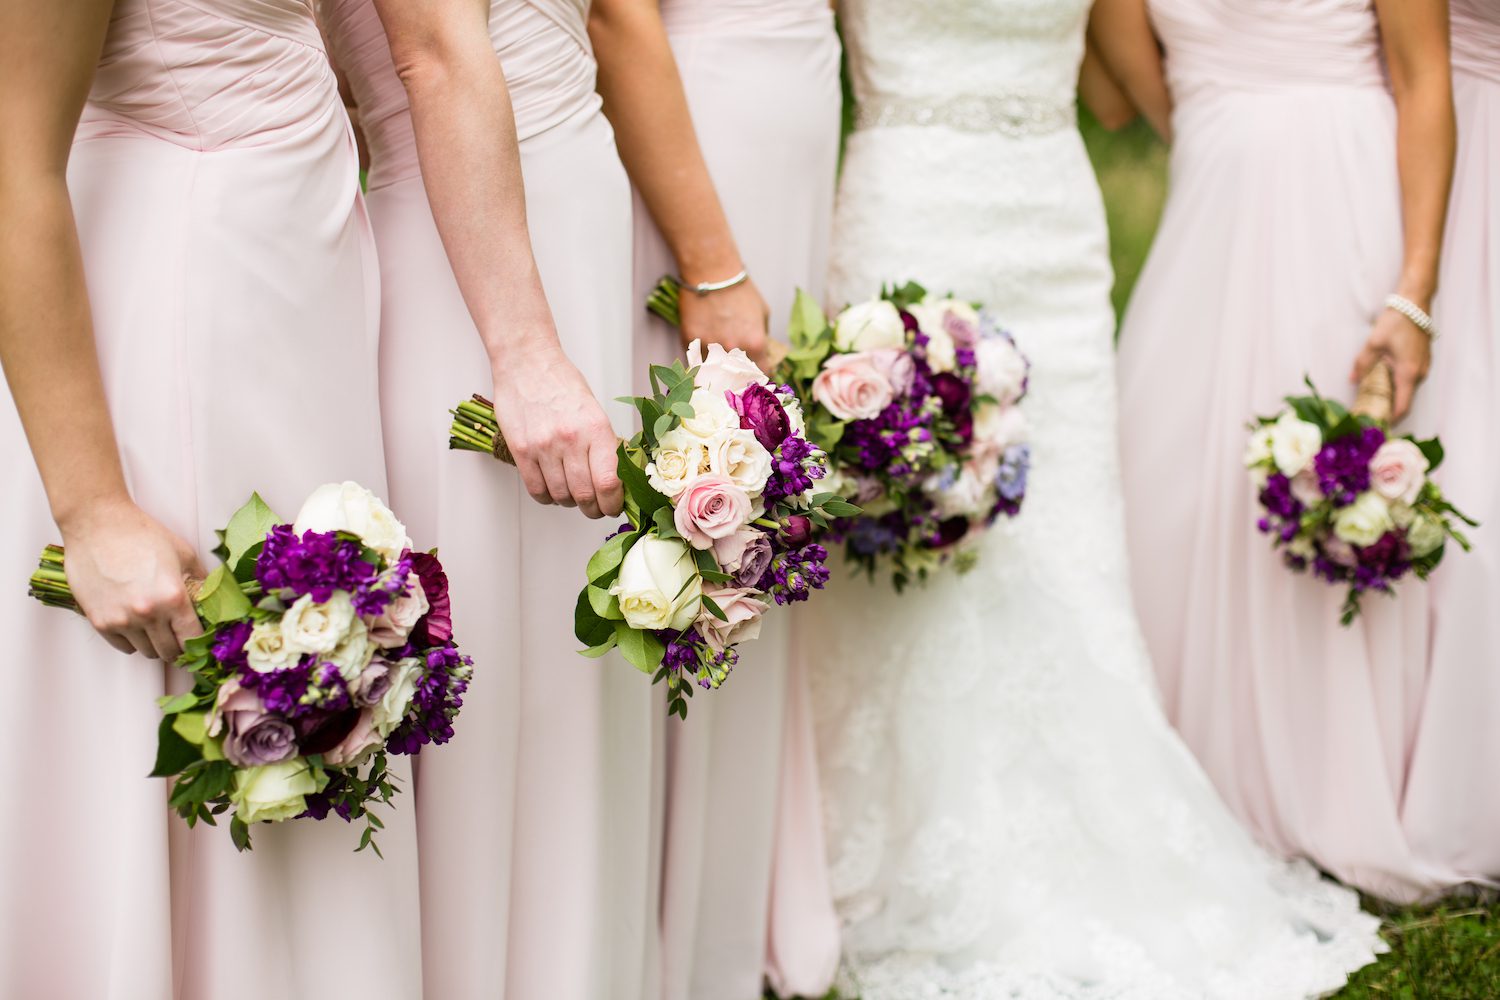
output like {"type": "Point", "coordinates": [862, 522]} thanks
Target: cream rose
{"type": "Point", "coordinates": [658, 585]}
{"type": "Point", "coordinates": [711, 414]}
{"type": "Point", "coordinates": [1398, 471]}
{"type": "Point", "coordinates": [711, 507]}
{"type": "Point", "coordinates": [318, 628]}
{"type": "Point", "coordinates": [1294, 443]}
{"type": "Point", "coordinates": [350, 507]}
{"type": "Point", "coordinates": [999, 427]}
{"type": "Point", "coordinates": [955, 317]}
{"type": "Point", "coordinates": [678, 458]}
{"type": "Point", "coordinates": [1001, 370]}
{"type": "Point", "coordinates": [267, 649]}
{"type": "Point", "coordinates": [942, 352]}
{"type": "Point", "coordinates": [1364, 521]}
{"type": "Point", "coordinates": [389, 712]}
{"type": "Point", "coordinates": [739, 457]}
{"type": "Point", "coordinates": [1424, 534]}
{"type": "Point", "coordinates": [852, 387]}
{"type": "Point", "coordinates": [869, 326]}
{"type": "Point", "coordinates": [355, 651]}
{"type": "Point", "coordinates": [962, 495]}
{"type": "Point", "coordinates": [273, 792]}
{"type": "Point", "coordinates": [723, 371]}
{"type": "Point", "coordinates": [390, 629]}
{"type": "Point", "coordinates": [742, 615]}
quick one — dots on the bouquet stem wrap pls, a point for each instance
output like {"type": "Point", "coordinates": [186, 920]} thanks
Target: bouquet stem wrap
{"type": "Point", "coordinates": [1375, 392]}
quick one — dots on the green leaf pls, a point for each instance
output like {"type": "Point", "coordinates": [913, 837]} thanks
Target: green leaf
{"type": "Point", "coordinates": [604, 604]}
{"type": "Point", "coordinates": [173, 753]}
{"type": "Point", "coordinates": [191, 726]}
{"type": "Point", "coordinates": [705, 560]}
{"type": "Point", "coordinates": [714, 609]}
{"type": "Point", "coordinates": [641, 650]}
{"type": "Point", "coordinates": [239, 833]}
{"type": "Point", "coordinates": [683, 410]}
{"type": "Point", "coordinates": [171, 704]}
{"type": "Point", "coordinates": [588, 627]}
{"type": "Point", "coordinates": [594, 652]}
{"type": "Point", "coordinates": [807, 322]}
{"type": "Point", "coordinates": [664, 425]}
{"type": "Point", "coordinates": [220, 599]}
{"type": "Point", "coordinates": [647, 500]}
{"type": "Point", "coordinates": [249, 526]}
{"type": "Point", "coordinates": [604, 563]}
{"type": "Point", "coordinates": [1432, 450]}
{"type": "Point", "coordinates": [841, 508]}
{"type": "Point", "coordinates": [666, 525]}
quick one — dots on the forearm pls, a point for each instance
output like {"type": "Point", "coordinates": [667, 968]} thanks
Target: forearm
{"type": "Point", "coordinates": [1120, 32]}
{"type": "Point", "coordinates": [1424, 153]}
{"type": "Point", "coordinates": [644, 99]}
{"type": "Point", "coordinates": [1102, 94]}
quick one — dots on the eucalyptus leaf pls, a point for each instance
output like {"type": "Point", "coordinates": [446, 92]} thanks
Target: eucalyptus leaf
{"type": "Point", "coordinates": [173, 753]}
{"type": "Point", "coordinates": [606, 561]}
{"type": "Point", "coordinates": [666, 525]}
{"type": "Point", "coordinates": [594, 652]}
{"type": "Point", "coordinates": [249, 526]}
{"type": "Point", "coordinates": [714, 609]}
{"type": "Point", "coordinates": [588, 627]}
{"type": "Point", "coordinates": [220, 598]}
{"type": "Point", "coordinates": [604, 604]}
{"type": "Point", "coordinates": [641, 650]}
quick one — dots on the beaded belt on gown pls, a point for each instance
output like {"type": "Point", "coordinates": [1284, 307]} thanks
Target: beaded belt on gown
{"type": "Point", "coordinates": [1007, 114]}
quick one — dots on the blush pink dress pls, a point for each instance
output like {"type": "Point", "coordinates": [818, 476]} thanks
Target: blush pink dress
{"type": "Point", "coordinates": [538, 824]}
{"type": "Point", "coordinates": [745, 894]}
{"type": "Point", "coordinates": [1452, 815]}
{"type": "Point", "coordinates": [1280, 239]}
{"type": "Point", "coordinates": [232, 280]}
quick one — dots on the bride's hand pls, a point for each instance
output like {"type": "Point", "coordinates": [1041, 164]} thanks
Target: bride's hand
{"type": "Point", "coordinates": [733, 317]}
{"type": "Point", "coordinates": [557, 432]}
{"type": "Point", "coordinates": [1406, 348]}
{"type": "Point", "coordinates": [128, 574]}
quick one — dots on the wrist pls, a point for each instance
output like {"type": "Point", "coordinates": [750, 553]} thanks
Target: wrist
{"type": "Point", "coordinates": [79, 510]}
{"type": "Point", "coordinates": [1418, 285]}
{"type": "Point", "coordinates": [708, 261]}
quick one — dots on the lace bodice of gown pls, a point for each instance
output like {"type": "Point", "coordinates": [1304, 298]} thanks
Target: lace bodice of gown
{"type": "Point", "coordinates": [270, 74]}
{"type": "Point", "coordinates": [543, 47]}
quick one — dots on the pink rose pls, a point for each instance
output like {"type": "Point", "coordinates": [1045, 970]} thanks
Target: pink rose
{"type": "Point", "coordinates": [742, 611]}
{"type": "Point", "coordinates": [853, 387]}
{"type": "Point", "coordinates": [1305, 488]}
{"type": "Point", "coordinates": [1398, 470]}
{"type": "Point", "coordinates": [1340, 551]}
{"type": "Point", "coordinates": [723, 371]}
{"type": "Point", "coordinates": [361, 740]}
{"type": "Point", "coordinates": [898, 368]}
{"type": "Point", "coordinates": [391, 628]}
{"type": "Point", "coordinates": [709, 508]}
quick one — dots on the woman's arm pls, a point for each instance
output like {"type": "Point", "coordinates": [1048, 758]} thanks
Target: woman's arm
{"type": "Point", "coordinates": [1120, 33]}
{"type": "Point", "coordinates": [645, 102]}
{"type": "Point", "coordinates": [1415, 34]}
{"type": "Point", "coordinates": [125, 569]}
{"type": "Point", "coordinates": [1102, 94]}
{"type": "Point", "coordinates": [471, 167]}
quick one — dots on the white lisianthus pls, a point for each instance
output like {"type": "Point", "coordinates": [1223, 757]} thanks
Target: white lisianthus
{"type": "Point", "coordinates": [273, 792]}
{"type": "Point", "coordinates": [658, 585]}
{"type": "Point", "coordinates": [267, 648]}
{"type": "Point", "coordinates": [318, 628]}
{"type": "Point", "coordinates": [739, 457]}
{"type": "Point", "coordinates": [354, 653]}
{"type": "Point", "coordinates": [390, 710]}
{"type": "Point", "coordinates": [1424, 534]}
{"type": "Point", "coordinates": [350, 507]}
{"type": "Point", "coordinates": [1294, 443]}
{"type": "Point", "coordinates": [679, 457]}
{"type": "Point", "coordinates": [869, 326]}
{"type": "Point", "coordinates": [1258, 448]}
{"type": "Point", "coordinates": [1364, 521]}
{"type": "Point", "coordinates": [711, 414]}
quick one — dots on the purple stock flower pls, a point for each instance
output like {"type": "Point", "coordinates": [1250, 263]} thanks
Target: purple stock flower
{"type": "Point", "coordinates": [436, 702]}
{"type": "Point", "coordinates": [794, 468]}
{"type": "Point", "coordinates": [761, 411]}
{"type": "Point", "coordinates": [1343, 465]}
{"type": "Point", "coordinates": [794, 574]}
{"type": "Point", "coordinates": [281, 690]}
{"type": "Point", "coordinates": [229, 643]}
{"type": "Point", "coordinates": [316, 563]}
{"type": "Point", "coordinates": [1276, 497]}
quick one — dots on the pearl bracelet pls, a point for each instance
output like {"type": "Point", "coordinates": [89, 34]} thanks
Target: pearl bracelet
{"type": "Point", "coordinates": [704, 287]}
{"type": "Point", "coordinates": [1413, 312]}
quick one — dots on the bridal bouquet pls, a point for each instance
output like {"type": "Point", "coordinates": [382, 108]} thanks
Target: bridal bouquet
{"type": "Point", "coordinates": [327, 644]}
{"type": "Point", "coordinates": [722, 502]}
{"type": "Point", "coordinates": [916, 399]}
{"type": "Point", "coordinates": [1343, 497]}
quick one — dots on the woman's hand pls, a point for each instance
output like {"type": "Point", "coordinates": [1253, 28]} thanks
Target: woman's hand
{"type": "Point", "coordinates": [129, 575]}
{"type": "Point", "coordinates": [732, 317]}
{"type": "Point", "coordinates": [557, 432]}
{"type": "Point", "coordinates": [1408, 350]}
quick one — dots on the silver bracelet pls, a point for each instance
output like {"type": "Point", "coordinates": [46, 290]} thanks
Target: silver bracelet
{"type": "Point", "coordinates": [703, 288]}
{"type": "Point", "coordinates": [1413, 312]}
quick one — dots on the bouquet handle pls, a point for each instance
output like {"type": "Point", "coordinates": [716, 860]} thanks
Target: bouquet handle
{"type": "Point", "coordinates": [1376, 391]}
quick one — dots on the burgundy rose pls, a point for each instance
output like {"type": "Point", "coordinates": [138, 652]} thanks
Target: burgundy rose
{"type": "Point", "coordinates": [761, 411]}
{"type": "Point", "coordinates": [909, 321]}
{"type": "Point", "coordinates": [435, 627]}
{"type": "Point", "coordinates": [950, 531]}
{"type": "Point", "coordinates": [319, 732]}
{"type": "Point", "coordinates": [953, 391]}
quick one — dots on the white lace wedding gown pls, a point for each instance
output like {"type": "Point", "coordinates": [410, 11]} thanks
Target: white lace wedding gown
{"type": "Point", "coordinates": [1009, 813]}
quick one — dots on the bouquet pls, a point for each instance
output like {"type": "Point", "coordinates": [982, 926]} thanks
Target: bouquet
{"type": "Point", "coordinates": [1342, 496]}
{"type": "Point", "coordinates": [916, 400]}
{"type": "Point", "coordinates": [722, 503]}
{"type": "Point", "coordinates": [328, 643]}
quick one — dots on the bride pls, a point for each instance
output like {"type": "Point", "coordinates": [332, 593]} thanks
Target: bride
{"type": "Point", "coordinates": [1009, 814]}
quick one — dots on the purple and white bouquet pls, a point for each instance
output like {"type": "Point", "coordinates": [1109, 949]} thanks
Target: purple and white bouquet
{"type": "Point", "coordinates": [1342, 497]}
{"type": "Point", "coordinates": [328, 644]}
{"type": "Point", "coordinates": [916, 398]}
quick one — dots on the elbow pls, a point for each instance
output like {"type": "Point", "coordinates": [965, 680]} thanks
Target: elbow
{"type": "Point", "coordinates": [1114, 118]}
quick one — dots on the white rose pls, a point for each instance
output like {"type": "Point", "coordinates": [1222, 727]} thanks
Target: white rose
{"type": "Point", "coordinates": [679, 457]}
{"type": "Point", "coordinates": [1001, 369]}
{"type": "Point", "coordinates": [869, 326]}
{"type": "Point", "coordinates": [318, 628]}
{"type": "Point", "coordinates": [963, 495]}
{"type": "Point", "coordinates": [267, 649]}
{"type": "Point", "coordinates": [739, 457]}
{"type": "Point", "coordinates": [999, 427]}
{"type": "Point", "coordinates": [942, 353]}
{"type": "Point", "coordinates": [354, 653]}
{"type": "Point", "coordinates": [350, 507]}
{"type": "Point", "coordinates": [1424, 535]}
{"type": "Point", "coordinates": [1364, 521]}
{"type": "Point", "coordinates": [711, 414]}
{"type": "Point", "coordinates": [1403, 514]}
{"type": "Point", "coordinates": [658, 585]}
{"type": "Point", "coordinates": [1294, 443]}
{"type": "Point", "coordinates": [273, 792]}
{"type": "Point", "coordinates": [1258, 448]}
{"type": "Point", "coordinates": [390, 711]}
{"type": "Point", "coordinates": [723, 371]}
{"type": "Point", "coordinates": [1306, 489]}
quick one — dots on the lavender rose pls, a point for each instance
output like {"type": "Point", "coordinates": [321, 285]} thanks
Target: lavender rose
{"type": "Point", "coordinates": [372, 684]}
{"type": "Point", "coordinates": [252, 735]}
{"type": "Point", "coordinates": [744, 554]}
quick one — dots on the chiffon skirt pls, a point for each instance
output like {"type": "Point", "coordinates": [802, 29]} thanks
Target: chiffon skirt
{"type": "Point", "coordinates": [536, 823]}
{"type": "Point", "coordinates": [745, 884]}
{"type": "Point", "coordinates": [1452, 814]}
{"type": "Point", "coordinates": [233, 296]}
{"type": "Point", "coordinates": [1280, 239]}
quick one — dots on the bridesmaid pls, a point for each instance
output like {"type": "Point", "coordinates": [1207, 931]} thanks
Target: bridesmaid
{"type": "Point", "coordinates": [727, 113]}
{"type": "Point", "coordinates": [1458, 742]}
{"type": "Point", "coordinates": [187, 315]}
{"type": "Point", "coordinates": [1304, 192]}
{"type": "Point", "coordinates": [536, 823]}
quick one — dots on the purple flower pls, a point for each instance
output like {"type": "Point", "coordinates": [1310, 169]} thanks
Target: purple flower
{"type": "Point", "coordinates": [953, 391]}
{"type": "Point", "coordinates": [229, 643]}
{"type": "Point", "coordinates": [436, 702]}
{"type": "Point", "coordinates": [281, 690]}
{"type": "Point", "coordinates": [949, 532]}
{"type": "Point", "coordinates": [316, 563]}
{"type": "Point", "coordinates": [794, 468]}
{"type": "Point", "coordinates": [1015, 466]}
{"type": "Point", "coordinates": [797, 531]}
{"type": "Point", "coordinates": [1276, 497]}
{"type": "Point", "coordinates": [1343, 465]}
{"type": "Point", "coordinates": [319, 731]}
{"type": "Point", "coordinates": [1379, 564]}
{"type": "Point", "coordinates": [252, 735]}
{"type": "Point", "coordinates": [793, 575]}
{"type": "Point", "coordinates": [761, 411]}
{"type": "Point", "coordinates": [754, 559]}
{"type": "Point", "coordinates": [372, 684]}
